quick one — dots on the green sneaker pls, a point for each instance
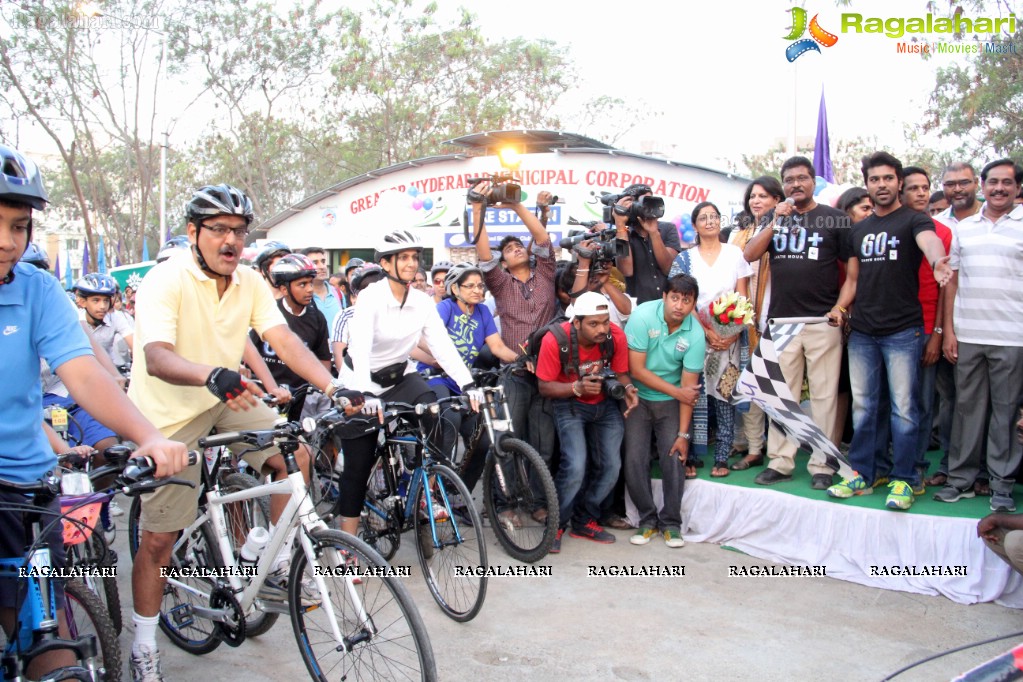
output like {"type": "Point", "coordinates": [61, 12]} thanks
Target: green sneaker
{"type": "Point", "coordinates": [673, 539]}
{"type": "Point", "coordinates": [642, 536]}
{"type": "Point", "coordinates": [849, 487]}
{"type": "Point", "coordinates": [901, 496]}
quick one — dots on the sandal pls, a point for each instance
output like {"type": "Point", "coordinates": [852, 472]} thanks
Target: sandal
{"type": "Point", "coordinates": [748, 462]}
{"type": "Point", "coordinates": [738, 452]}
{"type": "Point", "coordinates": [937, 479]}
{"type": "Point", "coordinates": [690, 471]}
{"type": "Point", "coordinates": [719, 471]}
{"type": "Point", "coordinates": [982, 488]}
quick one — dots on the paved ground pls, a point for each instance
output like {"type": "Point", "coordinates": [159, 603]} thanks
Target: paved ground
{"type": "Point", "coordinates": [704, 626]}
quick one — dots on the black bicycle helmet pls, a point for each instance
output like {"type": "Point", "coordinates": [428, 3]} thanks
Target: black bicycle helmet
{"type": "Point", "coordinates": [457, 273]}
{"type": "Point", "coordinates": [36, 256]}
{"type": "Point", "coordinates": [175, 243]}
{"type": "Point", "coordinates": [214, 200]}
{"type": "Point", "coordinates": [291, 267]}
{"type": "Point", "coordinates": [96, 284]}
{"type": "Point", "coordinates": [267, 253]}
{"type": "Point", "coordinates": [352, 264]}
{"type": "Point", "coordinates": [366, 275]}
{"type": "Point", "coordinates": [20, 180]}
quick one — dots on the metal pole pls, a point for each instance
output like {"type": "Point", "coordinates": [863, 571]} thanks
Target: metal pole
{"type": "Point", "coordinates": [163, 157]}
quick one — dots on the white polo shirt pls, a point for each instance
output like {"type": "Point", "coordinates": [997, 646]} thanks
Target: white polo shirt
{"type": "Point", "coordinates": [989, 258]}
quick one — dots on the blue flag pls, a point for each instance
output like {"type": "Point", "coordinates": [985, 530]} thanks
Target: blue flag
{"type": "Point", "coordinates": [68, 283]}
{"type": "Point", "coordinates": [101, 258]}
{"type": "Point", "coordinates": [822, 145]}
{"type": "Point", "coordinates": [145, 250]}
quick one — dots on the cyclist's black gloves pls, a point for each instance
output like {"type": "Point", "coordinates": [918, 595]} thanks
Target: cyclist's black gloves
{"type": "Point", "coordinates": [345, 397]}
{"type": "Point", "coordinates": [225, 384]}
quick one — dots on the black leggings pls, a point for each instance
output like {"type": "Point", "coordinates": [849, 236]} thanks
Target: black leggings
{"type": "Point", "coordinates": [359, 442]}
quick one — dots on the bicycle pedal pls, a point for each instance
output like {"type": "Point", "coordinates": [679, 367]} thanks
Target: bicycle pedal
{"type": "Point", "coordinates": [182, 615]}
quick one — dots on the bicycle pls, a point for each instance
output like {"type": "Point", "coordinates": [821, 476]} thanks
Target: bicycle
{"type": "Point", "coordinates": [451, 549]}
{"type": "Point", "coordinates": [36, 631]}
{"type": "Point", "coordinates": [512, 477]}
{"type": "Point", "coordinates": [82, 546]}
{"type": "Point", "coordinates": [350, 615]}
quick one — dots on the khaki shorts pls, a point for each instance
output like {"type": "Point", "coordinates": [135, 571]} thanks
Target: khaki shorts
{"type": "Point", "coordinates": [173, 507]}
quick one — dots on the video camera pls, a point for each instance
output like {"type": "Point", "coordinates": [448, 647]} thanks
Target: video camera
{"type": "Point", "coordinates": [504, 190]}
{"type": "Point", "coordinates": [606, 246]}
{"type": "Point", "coordinates": [643, 208]}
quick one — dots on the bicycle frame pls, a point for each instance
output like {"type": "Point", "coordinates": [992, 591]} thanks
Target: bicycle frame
{"type": "Point", "coordinates": [298, 512]}
{"type": "Point", "coordinates": [37, 619]}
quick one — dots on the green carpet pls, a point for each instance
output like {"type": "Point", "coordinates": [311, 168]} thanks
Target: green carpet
{"type": "Point", "coordinates": [974, 508]}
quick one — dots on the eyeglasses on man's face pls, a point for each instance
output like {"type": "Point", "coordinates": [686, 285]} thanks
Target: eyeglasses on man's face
{"type": "Point", "coordinates": [222, 231]}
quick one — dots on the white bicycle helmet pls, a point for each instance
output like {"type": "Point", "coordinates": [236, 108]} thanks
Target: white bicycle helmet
{"type": "Point", "coordinates": [398, 241]}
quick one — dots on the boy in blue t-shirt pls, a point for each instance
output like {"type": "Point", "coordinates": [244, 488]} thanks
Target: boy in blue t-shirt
{"type": "Point", "coordinates": [39, 322]}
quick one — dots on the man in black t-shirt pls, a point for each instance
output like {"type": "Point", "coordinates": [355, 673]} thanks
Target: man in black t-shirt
{"type": "Point", "coordinates": [887, 328]}
{"type": "Point", "coordinates": [293, 276]}
{"type": "Point", "coordinates": [806, 245]}
{"type": "Point", "coordinates": [653, 245]}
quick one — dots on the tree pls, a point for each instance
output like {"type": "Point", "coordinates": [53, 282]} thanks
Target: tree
{"type": "Point", "coordinates": [846, 156]}
{"type": "Point", "coordinates": [52, 75]}
{"type": "Point", "coordinates": [980, 102]}
{"type": "Point", "coordinates": [404, 83]}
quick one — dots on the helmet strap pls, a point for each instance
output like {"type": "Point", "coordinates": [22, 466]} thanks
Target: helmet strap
{"type": "Point", "coordinates": [203, 265]}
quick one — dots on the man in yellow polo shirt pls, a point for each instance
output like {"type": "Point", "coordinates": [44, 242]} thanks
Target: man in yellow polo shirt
{"type": "Point", "coordinates": [193, 313]}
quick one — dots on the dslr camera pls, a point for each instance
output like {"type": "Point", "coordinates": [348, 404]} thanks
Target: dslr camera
{"type": "Point", "coordinates": [504, 190]}
{"type": "Point", "coordinates": [606, 245]}
{"type": "Point", "coordinates": [645, 207]}
{"type": "Point", "coordinates": [612, 387]}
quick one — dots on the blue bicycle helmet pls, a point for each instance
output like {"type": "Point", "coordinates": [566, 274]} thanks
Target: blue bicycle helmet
{"type": "Point", "coordinates": [20, 180]}
{"type": "Point", "coordinates": [96, 284]}
{"type": "Point", "coordinates": [36, 256]}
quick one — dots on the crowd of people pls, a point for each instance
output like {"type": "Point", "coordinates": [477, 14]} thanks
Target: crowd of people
{"type": "Point", "coordinates": [610, 359]}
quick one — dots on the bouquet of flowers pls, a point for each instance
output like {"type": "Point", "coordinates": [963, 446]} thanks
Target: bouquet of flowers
{"type": "Point", "coordinates": [729, 314]}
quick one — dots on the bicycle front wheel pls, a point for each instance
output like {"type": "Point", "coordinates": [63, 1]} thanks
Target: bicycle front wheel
{"type": "Point", "coordinates": [452, 552]}
{"type": "Point", "coordinates": [383, 635]}
{"type": "Point", "coordinates": [241, 517]}
{"type": "Point", "coordinates": [178, 620]}
{"type": "Point", "coordinates": [517, 491]}
{"type": "Point", "coordinates": [86, 616]}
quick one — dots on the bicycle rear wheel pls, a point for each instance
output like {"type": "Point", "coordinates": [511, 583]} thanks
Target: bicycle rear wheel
{"type": "Point", "coordinates": [324, 482]}
{"type": "Point", "coordinates": [86, 616]}
{"type": "Point", "coordinates": [383, 635]}
{"type": "Point", "coordinates": [380, 524]}
{"type": "Point", "coordinates": [511, 504]}
{"type": "Point", "coordinates": [452, 553]}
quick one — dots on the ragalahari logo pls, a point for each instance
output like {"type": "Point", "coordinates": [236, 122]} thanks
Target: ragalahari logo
{"type": "Point", "coordinates": [799, 27]}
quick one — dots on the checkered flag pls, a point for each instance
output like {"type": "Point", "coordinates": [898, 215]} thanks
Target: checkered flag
{"type": "Point", "coordinates": [763, 384]}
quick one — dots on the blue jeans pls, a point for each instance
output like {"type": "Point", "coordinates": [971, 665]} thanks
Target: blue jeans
{"type": "Point", "coordinates": [603, 426]}
{"type": "Point", "coordinates": [892, 360]}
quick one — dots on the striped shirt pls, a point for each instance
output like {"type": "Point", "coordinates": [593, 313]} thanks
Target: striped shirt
{"type": "Point", "coordinates": [526, 306]}
{"type": "Point", "coordinates": [989, 258]}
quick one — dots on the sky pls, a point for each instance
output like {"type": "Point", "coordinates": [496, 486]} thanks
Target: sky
{"type": "Point", "coordinates": [718, 70]}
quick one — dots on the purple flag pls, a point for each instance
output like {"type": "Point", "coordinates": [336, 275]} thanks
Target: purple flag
{"type": "Point", "coordinates": [85, 257]}
{"type": "Point", "coordinates": [56, 267]}
{"type": "Point", "coordinates": [822, 145]}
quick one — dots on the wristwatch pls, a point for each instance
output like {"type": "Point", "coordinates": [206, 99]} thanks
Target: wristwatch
{"type": "Point", "coordinates": [937, 330]}
{"type": "Point", "coordinates": [684, 435]}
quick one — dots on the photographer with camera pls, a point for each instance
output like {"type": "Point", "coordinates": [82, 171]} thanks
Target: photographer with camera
{"type": "Point", "coordinates": [653, 244]}
{"type": "Point", "coordinates": [522, 284]}
{"type": "Point", "coordinates": [583, 367]}
{"type": "Point", "coordinates": [593, 273]}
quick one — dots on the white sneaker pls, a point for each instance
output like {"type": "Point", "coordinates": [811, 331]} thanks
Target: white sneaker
{"type": "Point", "coordinates": [115, 509]}
{"type": "Point", "coordinates": [279, 579]}
{"type": "Point", "coordinates": [145, 664]}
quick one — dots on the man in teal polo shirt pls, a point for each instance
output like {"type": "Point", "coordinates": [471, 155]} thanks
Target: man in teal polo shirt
{"type": "Point", "coordinates": [666, 349]}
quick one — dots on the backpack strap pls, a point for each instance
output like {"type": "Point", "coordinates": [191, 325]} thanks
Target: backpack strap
{"type": "Point", "coordinates": [561, 338]}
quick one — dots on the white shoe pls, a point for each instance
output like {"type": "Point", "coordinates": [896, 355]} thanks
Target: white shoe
{"type": "Point", "coordinates": [145, 664]}
{"type": "Point", "coordinates": [115, 509]}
